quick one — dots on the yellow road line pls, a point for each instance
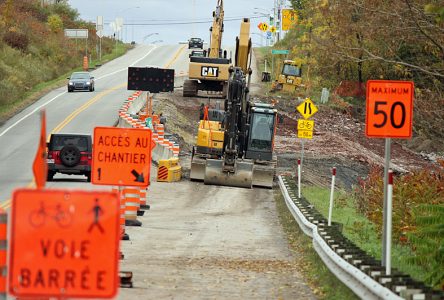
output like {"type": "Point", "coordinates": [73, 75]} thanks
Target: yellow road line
{"type": "Point", "coordinates": [7, 204]}
{"type": "Point", "coordinates": [179, 51]}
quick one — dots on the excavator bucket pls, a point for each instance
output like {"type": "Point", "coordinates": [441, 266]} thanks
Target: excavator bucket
{"type": "Point", "coordinates": [263, 175]}
{"type": "Point", "coordinates": [242, 177]}
{"type": "Point", "coordinates": [197, 171]}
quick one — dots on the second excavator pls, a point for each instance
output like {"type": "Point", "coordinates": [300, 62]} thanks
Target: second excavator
{"type": "Point", "coordinates": [210, 73]}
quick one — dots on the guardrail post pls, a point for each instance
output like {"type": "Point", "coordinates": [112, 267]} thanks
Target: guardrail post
{"type": "Point", "coordinates": [388, 261]}
{"type": "Point", "coordinates": [330, 209]}
{"type": "Point", "coordinates": [299, 178]}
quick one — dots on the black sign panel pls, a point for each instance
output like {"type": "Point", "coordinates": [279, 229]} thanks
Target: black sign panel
{"type": "Point", "coordinates": [154, 80]}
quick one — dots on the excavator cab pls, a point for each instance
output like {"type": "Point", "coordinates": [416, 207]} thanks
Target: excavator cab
{"type": "Point", "coordinates": [260, 140]}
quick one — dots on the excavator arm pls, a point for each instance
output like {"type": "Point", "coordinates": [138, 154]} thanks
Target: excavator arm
{"type": "Point", "coordinates": [216, 30]}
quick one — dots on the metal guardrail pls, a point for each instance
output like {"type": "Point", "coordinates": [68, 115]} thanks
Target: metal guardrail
{"type": "Point", "coordinates": [352, 266]}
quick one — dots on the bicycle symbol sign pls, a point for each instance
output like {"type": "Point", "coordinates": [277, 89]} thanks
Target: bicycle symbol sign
{"type": "Point", "coordinates": [39, 217]}
{"type": "Point", "coordinates": [305, 124]}
{"type": "Point", "coordinates": [58, 234]}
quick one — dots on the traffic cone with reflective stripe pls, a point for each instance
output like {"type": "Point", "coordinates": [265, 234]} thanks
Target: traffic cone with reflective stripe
{"type": "Point", "coordinates": [123, 235]}
{"type": "Point", "coordinates": [132, 204]}
{"type": "Point", "coordinates": [143, 197]}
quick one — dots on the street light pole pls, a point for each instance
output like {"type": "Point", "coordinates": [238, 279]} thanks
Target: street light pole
{"type": "Point", "coordinates": [121, 12]}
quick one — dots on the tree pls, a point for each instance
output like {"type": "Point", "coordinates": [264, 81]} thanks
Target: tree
{"type": "Point", "coordinates": [55, 23]}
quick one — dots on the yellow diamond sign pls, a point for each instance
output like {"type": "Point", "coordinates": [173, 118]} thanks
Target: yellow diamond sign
{"type": "Point", "coordinates": [273, 29]}
{"type": "Point", "coordinates": [307, 108]}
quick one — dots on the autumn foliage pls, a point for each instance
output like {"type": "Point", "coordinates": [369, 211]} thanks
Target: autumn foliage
{"type": "Point", "coordinates": [418, 214]}
{"type": "Point", "coordinates": [354, 41]}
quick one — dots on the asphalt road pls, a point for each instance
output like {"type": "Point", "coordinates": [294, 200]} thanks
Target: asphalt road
{"type": "Point", "coordinates": [197, 241]}
{"type": "Point", "coordinates": [77, 112]}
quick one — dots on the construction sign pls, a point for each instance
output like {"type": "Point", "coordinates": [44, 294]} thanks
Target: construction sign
{"type": "Point", "coordinates": [122, 156]}
{"type": "Point", "coordinates": [263, 27]}
{"type": "Point", "coordinates": [64, 244]}
{"type": "Point", "coordinates": [289, 18]}
{"type": "Point", "coordinates": [389, 109]}
{"type": "Point", "coordinates": [307, 108]}
{"type": "Point", "coordinates": [305, 128]}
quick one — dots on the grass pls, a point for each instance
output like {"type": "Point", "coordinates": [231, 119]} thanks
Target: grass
{"type": "Point", "coordinates": [359, 229]}
{"type": "Point", "coordinates": [37, 91]}
{"type": "Point", "coordinates": [323, 283]}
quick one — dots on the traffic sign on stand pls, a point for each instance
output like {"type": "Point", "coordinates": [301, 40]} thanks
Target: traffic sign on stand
{"type": "Point", "coordinates": [64, 244]}
{"type": "Point", "coordinates": [122, 156]}
{"type": "Point", "coordinates": [389, 108]}
{"type": "Point", "coordinates": [305, 128]}
{"type": "Point", "coordinates": [307, 108]}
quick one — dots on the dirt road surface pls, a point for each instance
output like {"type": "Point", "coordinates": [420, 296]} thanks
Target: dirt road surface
{"type": "Point", "coordinates": [209, 242]}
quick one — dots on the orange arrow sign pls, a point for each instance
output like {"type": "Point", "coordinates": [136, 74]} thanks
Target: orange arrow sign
{"type": "Point", "coordinates": [39, 167]}
{"type": "Point", "coordinates": [121, 156]}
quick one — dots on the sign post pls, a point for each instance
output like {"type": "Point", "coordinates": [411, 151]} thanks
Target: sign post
{"type": "Point", "coordinates": [64, 244]}
{"type": "Point", "coordinates": [305, 126]}
{"type": "Point", "coordinates": [389, 114]}
{"type": "Point", "coordinates": [122, 156]}
{"type": "Point", "coordinates": [276, 51]}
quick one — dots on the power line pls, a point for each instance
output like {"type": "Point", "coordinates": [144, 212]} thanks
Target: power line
{"type": "Point", "coordinates": [183, 22]}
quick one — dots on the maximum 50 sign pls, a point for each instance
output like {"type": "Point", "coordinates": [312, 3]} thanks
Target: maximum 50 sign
{"type": "Point", "coordinates": [389, 109]}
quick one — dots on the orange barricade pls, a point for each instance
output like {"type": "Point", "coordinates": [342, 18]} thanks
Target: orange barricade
{"type": "Point", "coordinates": [160, 130]}
{"type": "Point", "coordinates": [3, 250]}
{"type": "Point", "coordinates": [143, 197]}
{"type": "Point", "coordinates": [85, 63]}
{"type": "Point", "coordinates": [123, 235]}
{"type": "Point", "coordinates": [132, 205]}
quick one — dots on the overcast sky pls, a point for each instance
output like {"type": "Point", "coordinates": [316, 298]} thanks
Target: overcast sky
{"type": "Point", "coordinates": [145, 18]}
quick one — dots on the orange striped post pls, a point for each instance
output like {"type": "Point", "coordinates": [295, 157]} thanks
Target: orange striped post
{"type": "Point", "coordinates": [132, 205]}
{"type": "Point", "coordinates": [123, 235]}
{"type": "Point", "coordinates": [85, 63]}
{"type": "Point", "coordinates": [143, 197]}
{"type": "Point", "coordinates": [3, 250]}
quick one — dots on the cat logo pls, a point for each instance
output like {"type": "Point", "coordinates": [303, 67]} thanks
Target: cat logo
{"type": "Point", "coordinates": [210, 71]}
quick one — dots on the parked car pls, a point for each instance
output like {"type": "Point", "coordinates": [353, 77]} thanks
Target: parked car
{"type": "Point", "coordinates": [81, 81]}
{"type": "Point", "coordinates": [195, 43]}
{"type": "Point", "coordinates": [69, 154]}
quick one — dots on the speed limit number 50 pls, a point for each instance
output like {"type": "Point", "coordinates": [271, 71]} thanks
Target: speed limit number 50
{"type": "Point", "coordinates": [389, 109]}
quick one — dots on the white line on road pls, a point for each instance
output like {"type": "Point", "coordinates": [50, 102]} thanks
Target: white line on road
{"type": "Point", "coordinates": [57, 96]}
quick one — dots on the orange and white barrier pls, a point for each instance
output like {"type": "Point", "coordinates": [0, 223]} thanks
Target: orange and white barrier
{"type": "Point", "coordinates": [132, 205]}
{"type": "Point", "coordinates": [143, 198]}
{"type": "Point", "coordinates": [123, 234]}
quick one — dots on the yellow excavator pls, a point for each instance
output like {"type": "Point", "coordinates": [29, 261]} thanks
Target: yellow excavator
{"type": "Point", "coordinates": [235, 145]}
{"type": "Point", "coordinates": [290, 77]}
{"type": "Point", "coordinates": [210, 73]}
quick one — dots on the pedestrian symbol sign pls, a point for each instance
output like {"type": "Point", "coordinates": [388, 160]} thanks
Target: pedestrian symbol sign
{"type": "Point", "coordinates": [64, 244]}
{"type": "Point", "coordinates": [122, 156]}
{"type": "Point", "coordinates": [307, 108]}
